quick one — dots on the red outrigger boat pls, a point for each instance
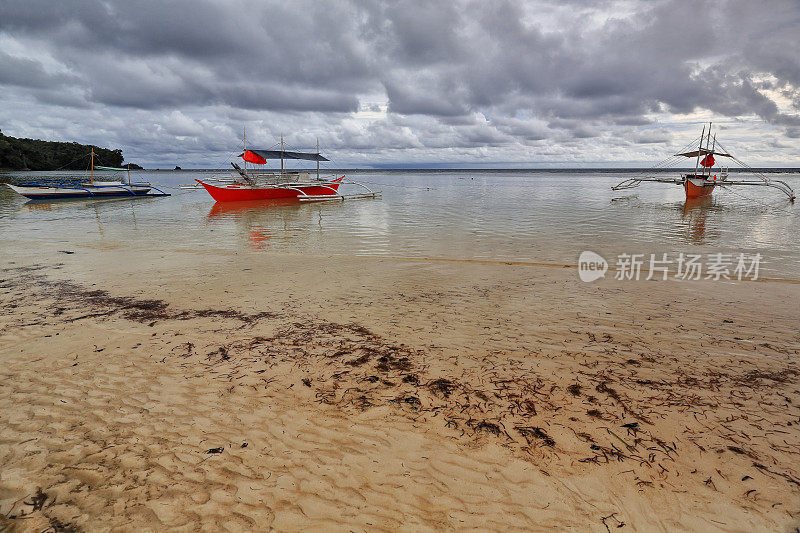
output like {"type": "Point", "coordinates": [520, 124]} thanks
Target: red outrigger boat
{"type": "Point", "coordinates": [704, 179]}
{"type": "Point", "coordinates": [301, 185]}
{"type": "Point", "coordinates": [236, 192]}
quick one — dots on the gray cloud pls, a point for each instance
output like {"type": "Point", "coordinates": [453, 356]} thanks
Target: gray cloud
{"type": "Point", "coordinates": [24, 72]}
{"type": "Point", "coordinates": [656, 136]}
{"type": "Point", "coordinates": [452, 78]}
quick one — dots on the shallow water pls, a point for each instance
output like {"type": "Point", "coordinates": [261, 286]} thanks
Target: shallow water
{"type": "Point", "coordinates": [536, 216]}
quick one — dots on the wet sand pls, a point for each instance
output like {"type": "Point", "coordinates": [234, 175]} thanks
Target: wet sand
{"type": "Point", "coordinates": [241, 392]}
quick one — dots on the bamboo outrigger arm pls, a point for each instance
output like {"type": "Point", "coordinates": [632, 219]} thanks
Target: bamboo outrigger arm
{"type": "Point", "coordinates": [782, 186]}
{"type": "Point", "coordinates": [336, 195]}
{"type": "Point", "coordinates": [701, 182]}
{"type": "Point", "coordinates": [763, 182]}
{"type": "Point", "coordinates": [631, 183]}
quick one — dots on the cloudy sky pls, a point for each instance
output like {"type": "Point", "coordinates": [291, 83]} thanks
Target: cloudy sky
{"type": "Point", "coordinates": [475, 83]}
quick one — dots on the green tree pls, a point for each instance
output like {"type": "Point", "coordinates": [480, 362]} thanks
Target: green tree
{"type": "Point", "coordinates": [35, 154]}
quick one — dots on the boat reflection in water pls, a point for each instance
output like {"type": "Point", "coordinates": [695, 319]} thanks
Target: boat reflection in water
{"type": "Point", "coordinates": [243, 208]}
{"type": "Point", "coordinates": [694, 216]}
{"type": "Point", "coordinates": [262, 221]}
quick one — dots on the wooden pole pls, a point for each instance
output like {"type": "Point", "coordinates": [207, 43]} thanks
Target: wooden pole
{"type": "Point", "coordinates": [713, 147]}
{"type": "Point", "coordinates": [699, 148]}
{"type": "Point", "coordinates": [708, 142]}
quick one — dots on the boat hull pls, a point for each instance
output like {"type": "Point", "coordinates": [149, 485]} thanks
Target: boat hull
{"type": "Point", "coordinates": [697, 188]}
{"type": "Point", "coordinates": [58, 193]}
{"type": "Point", "coordinates": [238, 193]}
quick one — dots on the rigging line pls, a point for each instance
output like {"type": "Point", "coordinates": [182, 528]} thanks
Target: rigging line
{"type": "Point", "coordinates": [398, 185]}
{"type": "Point", "coordinates": [745, 165]}
{"type": "Point", "coordinates": [67, 164]}
{"type": "Point", "coordinates": [662, 165]}
{"type": "Point", "coordinates": [777, 206]}
{"type": "Point", "coordinates": [635, 181]}
{"type": "Point", "coordinates": [753, 170]}
{"type": "Point", "coordinates": [229, 159]}
{"type": "Point", "coordinates": [97, 160]}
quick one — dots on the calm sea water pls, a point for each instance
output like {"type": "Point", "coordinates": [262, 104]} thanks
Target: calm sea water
{"type": "Point", "coordinates": [538, 216]}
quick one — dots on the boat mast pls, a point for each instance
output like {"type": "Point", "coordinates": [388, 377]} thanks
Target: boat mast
{"type": "Point", "coordinates": [281, 155]}
{"type": "Point", "coordinates": [317, 157]}
{"type": "Point", "coordinates": [713, 147]}
{"type": "Point", "coordinates": [91, 171]}
{"type": "Point", "coordinates": [699, 149]}
{"type": "Point", "coordinates": [708, 141]}
{"type": "Point", "coordinates": [244, 146]}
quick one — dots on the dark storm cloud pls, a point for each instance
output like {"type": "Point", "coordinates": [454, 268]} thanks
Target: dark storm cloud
{"type": "Point", "coordinates": [452, 75]}
{"type": "Point", "coordinates": [418, 95]}
{"type": "Point", "coordinates": [628, 66]}
{"type": "Point", "coordinates": [23, 72]}
{"type": "Point", "coordinates": [152, 54]}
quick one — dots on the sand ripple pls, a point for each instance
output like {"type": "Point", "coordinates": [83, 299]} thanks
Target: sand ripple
{"type": "Point", "coordinates": [134, 414]}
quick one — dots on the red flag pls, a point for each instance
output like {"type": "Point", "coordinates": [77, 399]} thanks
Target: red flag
{"type": "Point", "coordinates": [708, 161]}
{"type": "Point", "coordinates": [252, 157]}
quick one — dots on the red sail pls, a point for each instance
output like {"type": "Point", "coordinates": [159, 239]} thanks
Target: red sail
{"type": "Point", "coordinates": [708, 161]}
{"type": "Point", "coordinates": [252, 157]}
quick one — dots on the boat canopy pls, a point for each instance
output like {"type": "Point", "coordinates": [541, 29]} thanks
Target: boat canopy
{"type": "Point", "coordinates": [703, 151]}
{"type": "Point", "coordinates": [260, 156]}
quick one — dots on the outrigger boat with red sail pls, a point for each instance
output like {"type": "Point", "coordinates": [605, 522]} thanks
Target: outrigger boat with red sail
{"type": "Point", "coordinates": [254, 185]}
{"type": "Point", "coordinates": [705, 178]}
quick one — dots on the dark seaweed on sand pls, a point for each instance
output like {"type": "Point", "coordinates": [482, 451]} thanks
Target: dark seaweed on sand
{"type": "Point", "coordinates": [349, 366]}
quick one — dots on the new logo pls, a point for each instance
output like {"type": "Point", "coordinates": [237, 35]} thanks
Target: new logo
{"type": "Point", "coordinates": [591, 266]}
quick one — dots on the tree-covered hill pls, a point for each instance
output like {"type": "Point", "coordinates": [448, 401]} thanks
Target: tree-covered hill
{"type": "Point", "coordinates": [33, 154]}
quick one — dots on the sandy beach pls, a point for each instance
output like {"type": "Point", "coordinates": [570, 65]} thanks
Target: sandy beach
{"type": "Point", "coordinates": [347, 266]}
{"type": "Point", "coordinates": [249, 392]}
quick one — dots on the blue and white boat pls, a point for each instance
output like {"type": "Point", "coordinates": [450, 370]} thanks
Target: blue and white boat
{"type": "Point", "coordinates": [55, 189]}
